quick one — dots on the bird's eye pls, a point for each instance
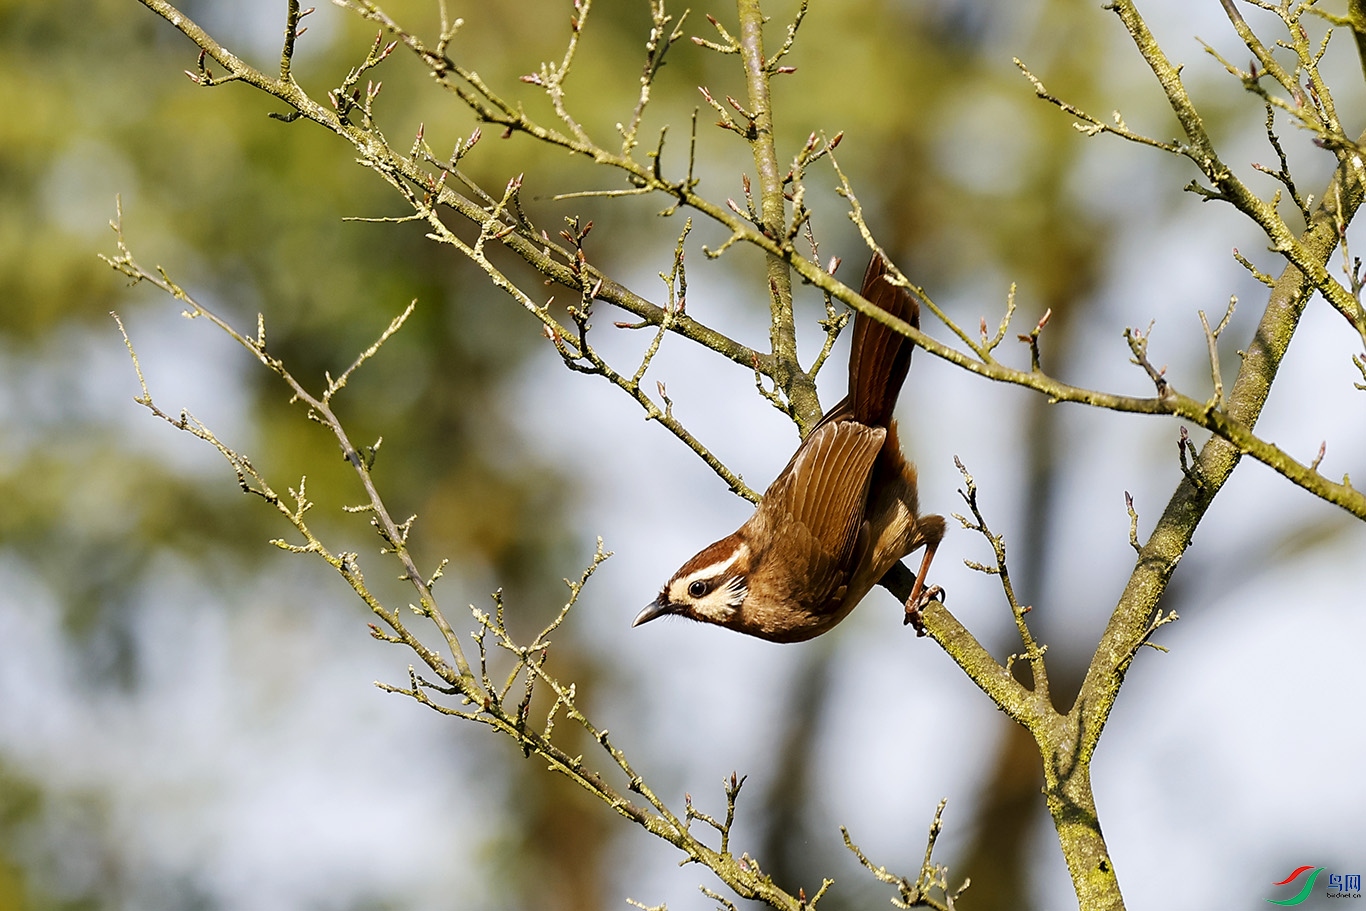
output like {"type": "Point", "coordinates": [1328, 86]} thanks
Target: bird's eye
{"type": "Point", "coordinates": [697, 589]}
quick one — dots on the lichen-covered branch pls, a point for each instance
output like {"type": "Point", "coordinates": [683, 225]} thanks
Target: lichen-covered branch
{"type": "Point", "coordinates": [1312, 108]}
{"type": "Point", "coordinates": [787, 372]}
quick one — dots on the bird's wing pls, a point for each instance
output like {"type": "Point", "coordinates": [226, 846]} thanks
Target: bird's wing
{"type": "Point", "coordinates": [824, 488]}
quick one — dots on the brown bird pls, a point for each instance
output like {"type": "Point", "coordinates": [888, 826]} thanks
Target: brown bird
{"type": "Point", "coordinates": [841, 513]}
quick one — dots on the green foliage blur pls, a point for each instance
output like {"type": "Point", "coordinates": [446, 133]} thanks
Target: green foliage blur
{"type": "Point", "coordinates": [247, 212]}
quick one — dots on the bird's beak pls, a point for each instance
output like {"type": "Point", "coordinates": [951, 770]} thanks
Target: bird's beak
{"type": "Point", "coordinates": [656, 608]}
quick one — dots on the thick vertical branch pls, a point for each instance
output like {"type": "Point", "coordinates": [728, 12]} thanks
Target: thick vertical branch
{"type": "Point", "coordinates": [1067, 769]}
{"type": "Point", "coordinates": [787, 373]}
{"type": "Point", "coordinates": [1262, 359]}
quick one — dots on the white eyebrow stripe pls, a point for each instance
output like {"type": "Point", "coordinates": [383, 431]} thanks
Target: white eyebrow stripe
{"type": "Point", "coordinates": [716, 569]}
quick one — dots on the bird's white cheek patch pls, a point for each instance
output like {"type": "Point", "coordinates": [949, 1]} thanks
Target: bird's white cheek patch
{"type": "Point", "coordinates": [713, 609]}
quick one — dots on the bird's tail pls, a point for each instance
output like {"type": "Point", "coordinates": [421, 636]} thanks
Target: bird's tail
{"type": "Point", "coordinates": [880, 356]}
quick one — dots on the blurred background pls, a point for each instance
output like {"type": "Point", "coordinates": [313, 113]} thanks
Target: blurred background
{"type": "Point", "coordinates": [187, 719]}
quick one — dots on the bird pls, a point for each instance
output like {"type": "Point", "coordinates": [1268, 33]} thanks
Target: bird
{"type": "Point", "coordinates": [839, 516]}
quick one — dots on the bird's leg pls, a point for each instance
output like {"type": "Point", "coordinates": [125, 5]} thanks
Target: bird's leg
{"type": "Point", "coordinates": [920, 594]}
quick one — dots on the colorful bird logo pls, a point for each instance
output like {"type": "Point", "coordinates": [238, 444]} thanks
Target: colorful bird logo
{"type": "Point", "coordinates": [1304, 893]}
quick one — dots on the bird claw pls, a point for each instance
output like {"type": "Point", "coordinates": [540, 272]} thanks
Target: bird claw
{"type": "Point", "coordinates": [915, 604]}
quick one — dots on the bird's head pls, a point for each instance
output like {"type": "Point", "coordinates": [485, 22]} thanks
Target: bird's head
{"type": "Point", "coordinates": [710, 587]}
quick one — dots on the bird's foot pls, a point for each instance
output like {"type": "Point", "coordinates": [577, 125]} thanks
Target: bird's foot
{"type": "Point", "coordinates": [916, 603]}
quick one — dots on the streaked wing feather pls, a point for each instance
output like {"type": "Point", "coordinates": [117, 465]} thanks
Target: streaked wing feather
{"type": "Point", "coordinates": [801, 573]}
{"type": "Point", "coordinates": [826, 484]}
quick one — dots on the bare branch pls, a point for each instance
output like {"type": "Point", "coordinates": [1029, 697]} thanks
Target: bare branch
{"type": "Point", "coordinates": [1033, 652]}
